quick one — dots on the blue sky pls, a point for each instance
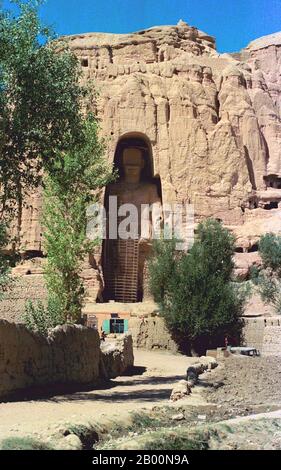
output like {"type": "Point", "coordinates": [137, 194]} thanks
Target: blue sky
{"type": "Point", "coordinates": [234, 23]}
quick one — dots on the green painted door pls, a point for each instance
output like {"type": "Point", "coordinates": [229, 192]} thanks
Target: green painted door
{"type": "Point", "coordinates": [106, 326]}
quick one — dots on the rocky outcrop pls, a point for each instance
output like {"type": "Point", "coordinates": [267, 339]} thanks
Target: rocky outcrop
{"type": "Point", "coordinates": [244, 262]}
{"type": "Point", "coordinates": [183, 387]}
{"type": "Point", "coordinates": [181, 390]}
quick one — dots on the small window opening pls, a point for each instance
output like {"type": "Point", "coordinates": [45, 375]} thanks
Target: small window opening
{"type": "Point", "coordinates": [253, 248]}
{"type": "Point", "coordinates": [117, 326]}
{"type": "Point", "coordinates": [85, 63]}
{"type": "Point", "coordinates": [271, 205]}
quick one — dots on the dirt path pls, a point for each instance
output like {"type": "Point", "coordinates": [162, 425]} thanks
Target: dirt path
{"type": "Point", "coordinates": [155, 375]}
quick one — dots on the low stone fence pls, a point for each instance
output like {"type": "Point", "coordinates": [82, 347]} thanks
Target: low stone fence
{"type": "Point", "coordinates": [71, 354]}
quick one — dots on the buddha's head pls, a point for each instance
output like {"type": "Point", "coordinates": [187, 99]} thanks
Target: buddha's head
{"type": "Point", "coordinates": [133, 163]}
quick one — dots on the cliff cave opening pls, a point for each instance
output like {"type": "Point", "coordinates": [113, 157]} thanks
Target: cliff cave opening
{"type": "Point", "coordinates": [124, 258]}
{"type": "Point", "coordinates": [273, 181]}
{"type": "Point", "coordinates": [271, 205]}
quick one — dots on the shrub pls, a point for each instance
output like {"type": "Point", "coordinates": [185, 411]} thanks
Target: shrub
{"type": "Point", "coordinates": [198, 299]}
{"type": "Point", "coordinates": [39, 318]}
{"type": "Point", "coordinates": [23, 443]}
{"type": "Point", "coordinates": [4, 262]}
{"type": "Point", "coordinates": [270, 251]}
{"type": "Point", "coordinates": [268, 278]}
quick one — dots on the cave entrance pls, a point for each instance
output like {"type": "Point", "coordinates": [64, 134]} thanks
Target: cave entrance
{"type": "Point", "coordinates": [124, 257]}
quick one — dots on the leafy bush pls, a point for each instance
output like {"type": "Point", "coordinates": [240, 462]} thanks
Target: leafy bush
{"type": "Point", "coordinates": [270, 251]}
{"type": "Point", "coordinates": [162, 268]}
{"type": "Point", "coordinates": [23, 443]}
{"type": "Point", "coordinates": [198, 299]}
{"type": "Point", "coordinates": [4, 262]}
{"type": "Point", "coordinates": [268, 278]}
{"type": "Point", "coordinates": [39, 318]}
{"type": "Point", "coordinates": [182, 440]}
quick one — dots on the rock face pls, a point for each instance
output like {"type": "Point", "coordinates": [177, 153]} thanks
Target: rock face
{"type": "Point", "coordinates": [211, 121]}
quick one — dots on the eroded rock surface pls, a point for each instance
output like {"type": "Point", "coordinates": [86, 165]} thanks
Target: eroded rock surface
{"type": "Point", "coordinates": [212, 121]}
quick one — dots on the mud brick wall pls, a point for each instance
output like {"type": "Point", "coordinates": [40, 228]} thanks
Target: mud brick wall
{"type": "Point", "coordinates": [272, 337]}
{"type": "Point", "coordinates": [253, 332]}
{"type": "Point", "coordinates": [264, 334]}
{"type": "Point", "coordinates": [70, 354]}
{"type": "Point", "coordinates": [151, 333]}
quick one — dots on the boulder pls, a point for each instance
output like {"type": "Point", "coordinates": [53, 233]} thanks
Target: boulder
{"type": "Point", "coordinates": [198, 368]}
{"type": "Point", "coordinates": [70, 442]}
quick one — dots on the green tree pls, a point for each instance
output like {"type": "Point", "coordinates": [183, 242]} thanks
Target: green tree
{"type": "Point", "coordinates": [270, 251]}
{"type": "Point", "coordinates": [4, 261]}
{"type": "Point", "coordinates": [41, 111]}
{"type": "Point", "coordinates": [198, 299]}
{"type": "Point", "coordinates": [40, 102]}
{"type": "Point", "coordinates": [268, 278]}
{"type": "Point", "coordinates": [70, 188]}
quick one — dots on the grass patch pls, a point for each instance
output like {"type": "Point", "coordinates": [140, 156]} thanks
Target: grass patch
{"type": "Point", "coordinates": [140, 422]}
{"type": "Point", "coordinates": [228, 428]}
{"type": "Point", "coordinates": [144, 421]}
{"type": "Point", "coordinates": [162, 439]}
{"type": "Point", "coordinates": [178, 441]}
{"type": "Point", "coordinates": [23, 443]}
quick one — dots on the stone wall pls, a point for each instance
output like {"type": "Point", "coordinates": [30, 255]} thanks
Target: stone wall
{"type": "Point", "coordinates": [71, 354]}
{"type": "Point", "coordinates": [272, 338]}
{"type": "Point", "coordinates": [253, 332]}
{"type": "Point", "coordinates": [151, 333]}
{"type": "Point", "coordinates": [264, 334]}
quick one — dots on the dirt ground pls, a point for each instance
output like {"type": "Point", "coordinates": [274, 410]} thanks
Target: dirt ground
{"type": "Point", "coordinates": [243, 385]}
{"type": "Point", "coordinates": [154, 376]}
{"type": "Point", "coordinates": [239, 388]}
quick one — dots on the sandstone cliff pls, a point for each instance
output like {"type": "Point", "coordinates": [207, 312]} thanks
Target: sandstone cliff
{"type": "Point", "coordinates": [212, 121]}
